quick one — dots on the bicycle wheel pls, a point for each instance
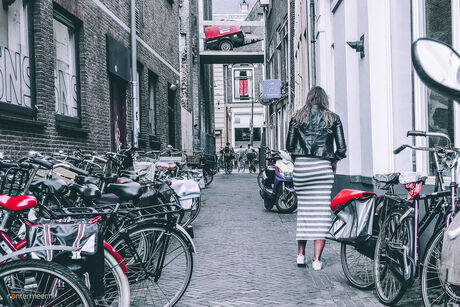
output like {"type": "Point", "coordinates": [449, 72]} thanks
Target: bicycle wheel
{"type": "Point", "coordinates": [152, 285]}
{"type": "Point", "coordinates": [435, 292]}
{"type": "Point", "coordinates": [41, 283]}
{"type": "Point", "coordinates": [116, 283]}
{"type": "Point", "coordinates": [357, 267]}
{"type": "Point", "coordinates": [191, 214]}
{"type": "Point", "coordinates": [389, 271]}
{"type": "Point", "coordinates": [208, 177]}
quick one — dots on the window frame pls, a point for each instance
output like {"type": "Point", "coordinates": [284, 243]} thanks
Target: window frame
{"type": "Point", "coordinates": [234, 69]}
{"type": "Point", "coordinates": [153, 84]}
{"type": "Point", "coordinates": [62, 17]}
{"type": "Point", "coordinates": [9, 111]}
{"type": "Point", "coordinates": [421, 162]}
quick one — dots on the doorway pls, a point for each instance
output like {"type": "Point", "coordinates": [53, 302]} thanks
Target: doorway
{"type": "Point", "coordinates": [118, 127]}
{"type": "Point", "coordinates": [172, 116]}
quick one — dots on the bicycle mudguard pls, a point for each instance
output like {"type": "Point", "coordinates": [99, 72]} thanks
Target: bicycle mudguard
{"type": "Point", "coordinates": [117, 256]}
{"type": "Point", "coordinates": [185, 233]}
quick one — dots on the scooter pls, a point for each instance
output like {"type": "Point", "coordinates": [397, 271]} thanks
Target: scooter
{"type": "Point", "coordinates": [276, 183]}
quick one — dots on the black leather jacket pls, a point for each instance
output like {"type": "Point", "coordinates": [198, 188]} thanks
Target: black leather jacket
{"type": "Point", "coordinates": [315, 140]}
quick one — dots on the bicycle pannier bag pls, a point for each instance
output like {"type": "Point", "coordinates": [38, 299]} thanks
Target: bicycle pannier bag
{"type": "Point", "coordinates": [449, 270]}
{"type": "Point", "coordinates": [353, 216]}
{"type": "Point", "coordinates": [86, 235]}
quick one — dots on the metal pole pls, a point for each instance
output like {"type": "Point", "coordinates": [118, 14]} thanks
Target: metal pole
{"type": "Point", "coordinates": [252, 123]}
{"type": "Point", "coordinates": [134, 82]}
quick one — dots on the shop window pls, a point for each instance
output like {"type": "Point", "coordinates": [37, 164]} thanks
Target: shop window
{"type": "Point", "coordinates": [152, 103]}
{"type": "Point", "coordinates": [15, 68]}
{"type": "Point", "coordinates": [438, 16]}
{"type": "Point", "coordinates": [243, 84]}
{"type": "Point", "coordinates": [65, 67]}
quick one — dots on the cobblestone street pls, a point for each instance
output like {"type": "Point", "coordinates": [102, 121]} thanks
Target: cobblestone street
{"type": "Point", "coordinates": [246, 256]}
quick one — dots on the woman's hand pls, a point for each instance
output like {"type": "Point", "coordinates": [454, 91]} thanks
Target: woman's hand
{"type": "Point", "coordinates": [334, 167]}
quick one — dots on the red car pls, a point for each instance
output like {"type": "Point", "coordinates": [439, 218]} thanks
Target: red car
{"type": "Point", "coordinates": [223, 37]}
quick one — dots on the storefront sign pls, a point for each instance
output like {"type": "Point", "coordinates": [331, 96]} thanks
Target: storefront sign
{"type": "Point", "coordinates": [271, 89]}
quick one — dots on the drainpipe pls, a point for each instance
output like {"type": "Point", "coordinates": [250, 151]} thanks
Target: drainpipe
{"type": "Point", "coordinates": [134, 82]}
{"type": "Point", "coordinates": [288, 59]}
{"type": "Point", "coordinates": [313, 42]}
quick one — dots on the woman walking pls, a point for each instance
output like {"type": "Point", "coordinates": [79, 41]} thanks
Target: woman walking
{"type": "Point", "coordinates": [313, 130]}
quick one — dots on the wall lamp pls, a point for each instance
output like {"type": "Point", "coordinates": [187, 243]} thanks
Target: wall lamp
{"type": "Point", "coordinates": [7, 3]}
{"type": "Point", "coordinates": [358, 45]}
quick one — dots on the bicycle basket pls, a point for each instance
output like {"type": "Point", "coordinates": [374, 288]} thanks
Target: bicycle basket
{"type": "Point", "coordinates": [353, 219]}
{"type": "Point", "coordinates": [86, 235]}
{"type": "Point", "coordinates": [15, 181]}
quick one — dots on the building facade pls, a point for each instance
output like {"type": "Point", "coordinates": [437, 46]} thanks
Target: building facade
{"type": "Point", "coordinates": [239, 116]}
{"type": "Point", "coordinates": [376, 92]}
{"type": "Point", "coordinates": [279, 64]}
{"type": "Point", "coordinates": [65, 75]}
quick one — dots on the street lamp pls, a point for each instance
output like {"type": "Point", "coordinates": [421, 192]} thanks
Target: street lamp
{"type": "Point", "coordinates": [244, 7]}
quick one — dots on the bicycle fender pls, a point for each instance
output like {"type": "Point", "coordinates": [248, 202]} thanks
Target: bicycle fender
{"type": "Point", "coordinates": [117, 256]}
{"type": "Point", "coordinates": [185, 233]}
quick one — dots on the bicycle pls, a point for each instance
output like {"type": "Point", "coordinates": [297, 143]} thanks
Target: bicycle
{"type": "Point", "coordinates": [357, 258]}
{"type": "Point", "coordinates": [41, 283]}
{"type": "Point", "coordinates": [228, 165]}
{"type": "Point", "coordinates": [396, 259]}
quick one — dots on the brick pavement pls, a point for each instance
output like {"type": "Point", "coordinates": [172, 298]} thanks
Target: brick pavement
{"type": "Point", "coordinates": [246, 256]}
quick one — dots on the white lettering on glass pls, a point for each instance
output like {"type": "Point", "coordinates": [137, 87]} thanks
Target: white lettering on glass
{"type": "Point", "coordinates": [14, 78]}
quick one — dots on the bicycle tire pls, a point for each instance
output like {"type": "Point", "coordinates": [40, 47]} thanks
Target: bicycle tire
{"type": "Point", "coordinates": [435, 292]}
{"type": "Point", "coordinates": [400, 285]}
{"type": "Point", "coordinates": [118, 290]}
{"type": "Point", "coordinates": [144, 236]}
{"type": "Point", "coordinates": [360, 281]}
{"type": "Point", "coordinates": [33, 272]}
{"type": "Point", "coordinates": [208, 177]}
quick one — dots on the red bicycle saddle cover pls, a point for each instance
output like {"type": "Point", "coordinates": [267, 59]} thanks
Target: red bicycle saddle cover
{"type": "Point", "coordinates": [16, 203]}
{"type": "Point", "coordinates": [346, 195]}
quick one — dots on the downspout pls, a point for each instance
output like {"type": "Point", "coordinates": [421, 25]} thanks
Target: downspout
{"type": "Point", "coordinates": [291, 103]}
{"type": "Point", "coordinates": [134, 82]}
{"type": "Point", "coordinates": [313, 42]}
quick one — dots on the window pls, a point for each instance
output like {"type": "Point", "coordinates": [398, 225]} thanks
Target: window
{"type": "Point", "coordinates": [438, 17]}
{"type": "Point", "coordinates": [65, 68]}
{"type": "Point", "coordinates": [244, 134]}
{"type": "Point", "coordinates": [15, 71]}
{"type": "Point", "coordinates": [243, 84]}
{"type": "Point", "coordinates": [152, 103]}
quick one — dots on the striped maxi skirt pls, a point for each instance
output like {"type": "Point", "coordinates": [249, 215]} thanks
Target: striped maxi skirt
{"type": "Point", "coordinates": [313, 180]}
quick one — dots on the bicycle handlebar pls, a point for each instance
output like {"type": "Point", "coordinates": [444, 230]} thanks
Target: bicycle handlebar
{"type": "Point", "coordinates": [430, 134]}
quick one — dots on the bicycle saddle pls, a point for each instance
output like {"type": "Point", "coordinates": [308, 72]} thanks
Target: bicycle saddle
{"type": "Point", "coordinates": [130, 175]}
{"type": "Point", "coordinates": [409, 177]}
{"type": "Point", "coordinates": [88, 192]}
{"type": "Point", "coordinates": [17, 203]}
{"type": "Point", "coordinates": [54, 185]}
{"type": "Point", "coordinates": [125, 191]}
{"type": "Point", "coordinates": [392, 178]}
{"type": "Point", "coordinates": [385, 181]}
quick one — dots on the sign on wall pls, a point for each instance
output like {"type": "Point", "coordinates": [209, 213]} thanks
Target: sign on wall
{"type": "Point", "coordinates": [271, 89]}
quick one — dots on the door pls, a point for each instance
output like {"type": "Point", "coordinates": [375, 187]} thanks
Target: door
{"type": "Point", "coordinates": [172, 116]}
{"type": "Point", "coordinates": [118, 129]}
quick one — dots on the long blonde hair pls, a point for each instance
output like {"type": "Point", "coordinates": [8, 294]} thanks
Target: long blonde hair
{"type": "Point", "coordinates": [316, 97]}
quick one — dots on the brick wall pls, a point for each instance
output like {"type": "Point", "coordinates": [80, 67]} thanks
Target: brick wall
{"type": "Point", "coordinates": [160, 31]}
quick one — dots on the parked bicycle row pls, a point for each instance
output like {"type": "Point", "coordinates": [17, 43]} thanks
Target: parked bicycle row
{"type": "Point", "coordinates": [380, 234]}
{"type": "Point", "coordinates": [83, 229]}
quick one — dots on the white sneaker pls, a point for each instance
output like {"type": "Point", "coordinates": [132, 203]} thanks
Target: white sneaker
{"type": "Point", "coordinates": [317, 265]}
{"type": "Point", "coordinates": [300, 260]}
